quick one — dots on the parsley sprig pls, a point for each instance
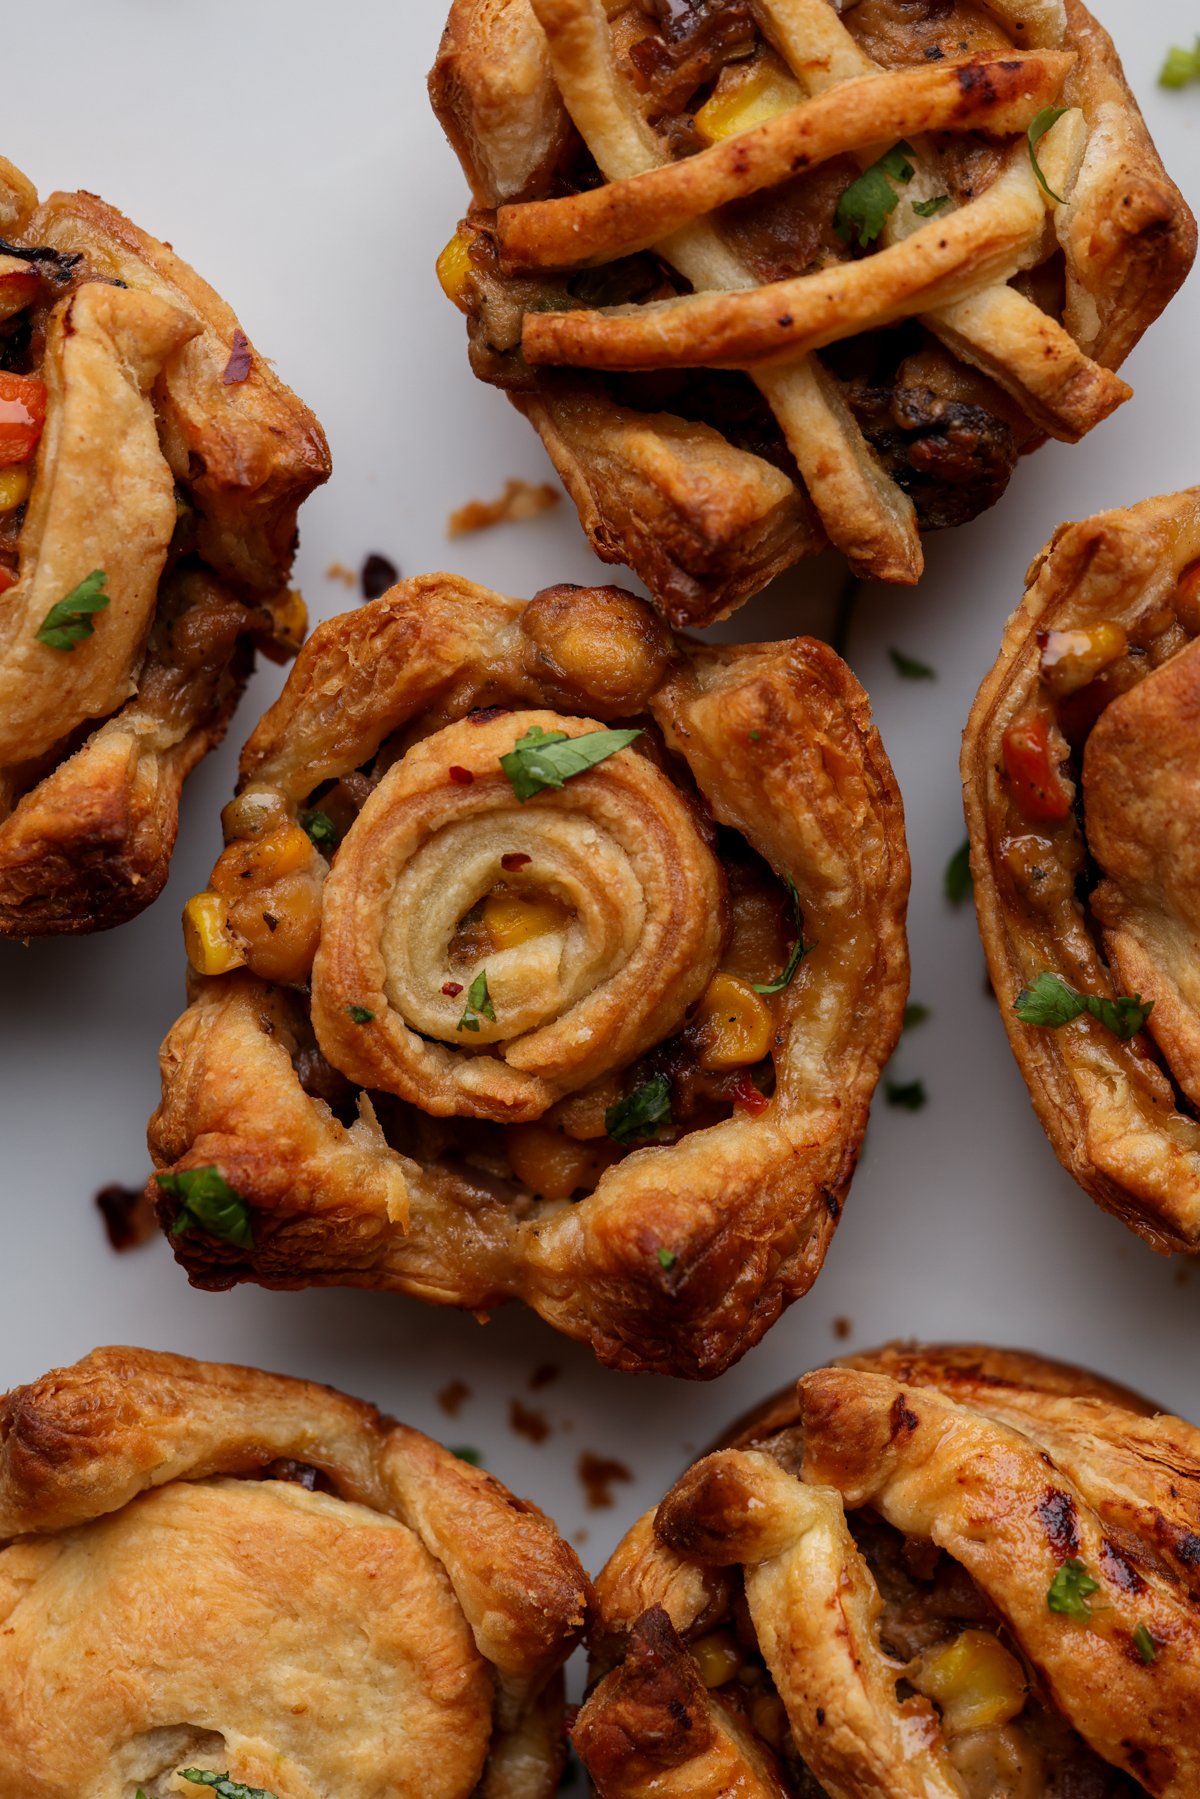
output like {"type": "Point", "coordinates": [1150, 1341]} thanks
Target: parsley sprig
{"type": "Point", "coordinates": [642, 1113]}
{"type": "Point", "coordinates": [1050, 1003]}
{"type": "Point", "coordinates": [479, 1004]}
{"type": "Point", "coordinates": [222, 1786]}
{"type": "Point", "coordinates": [1071, 1590]}
{"type": "Point", "coordinates": [1049, 115]}
{"type": "Point", "coordinates": [208, 1203]}
{"type": "Point", "coordinates": [544, 759]}
{"type": "Point", "coordinates": [909, 669]}
{"type": "Point", "coordinates": [800, 949]}
{"type": "Point", "coordinates": [864, 208]}
{"type": "Point", "coordinates": [70, 621]}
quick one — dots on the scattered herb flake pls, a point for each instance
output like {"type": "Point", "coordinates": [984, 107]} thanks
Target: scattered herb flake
{"type": "Point", "coordinates": [1050, 1003]}
{"type": "Point", "coordinates": [1071, 1589]}
{"type": "Point", "coordinates": [909, 669]}
{"type": "Point", "coordinates": [360, 1015]}
{"type": "Point", "coordinates": [466, 1453]}
{"type": "Point", "coordinates": [756, 736]}
{"type": "Point", "coordinates": [864, 208]}
{"type": "Point", "coordinates": [1050, 115]}
{"type": "Point", "coordinates": [800, 949]}
{"type": "Point", "coordinates": [241, 361]}
{"type": "Point", "coordinates": [915, 1014]}
{"type": "Point", "coordinates": [544, 759]}
{"type": "Point", "coordinates": [479, 1004]}
{"type": "Point", "coordinates": [910, 1096]}
{"type": "Point", "coordinates": [209, 1204]}
{"type": "Point", "coordinates": [667, 1258]}
{"type": "Point", "coordinates": [641, 1113]}
{"type": "Point", "coordinates": [1180, 67]}
{"type": "Point", "coordinates": [957, 883]}
{"type": "Point", "coordinates": [925, 209]}
{"type": "Point", "coordinates": [1145, 1645]}
{"type": "Point", "coordinates": [222, 1785]}
{"type": "Point", "coordinates": [321, 831]}
{"type": "Point", "coordinates": [70, 621]}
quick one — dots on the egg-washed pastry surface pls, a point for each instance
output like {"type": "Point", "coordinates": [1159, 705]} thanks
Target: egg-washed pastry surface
{"type": "Point", "coordinates": [550, 957]}
{"type": "Point", "coordinates": [151, 467]}
{"type": "Point", "coordinates": [767, 274]}
{"type": "Point", "coordinates": [211, 1571]}
{"type": "Point", "coordinates": [1079, 779]}
{"type": "Point", "coordinates": [928, 1573]}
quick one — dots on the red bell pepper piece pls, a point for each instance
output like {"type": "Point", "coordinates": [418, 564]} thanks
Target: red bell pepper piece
{"type": "Point", "coordinates": [22, 416]}
{"type": "Point", "coordinates": [1032, 768]}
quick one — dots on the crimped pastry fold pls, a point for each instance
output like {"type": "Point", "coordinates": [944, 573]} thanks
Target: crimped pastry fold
{"type": "Point", "coordinates": [211, 1568]}
{"type": "Point", "coordinates": [605, 1043]}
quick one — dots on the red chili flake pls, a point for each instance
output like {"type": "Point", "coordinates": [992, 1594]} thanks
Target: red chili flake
{"type": "Point", "coordinates": [241, 361]}
{"type": "Point", "coordinates": [462, 777]}
{"type": "Point", "coordinates": [452, 989]}
{"type": "Point", "coordinates": [743, 1092]}
{"type": "Point", "coordinates": [6, 580]}
{"type": "Point", "coordinates": [515, 859]}
{"type": "Point", "coordinates": [482, 715]}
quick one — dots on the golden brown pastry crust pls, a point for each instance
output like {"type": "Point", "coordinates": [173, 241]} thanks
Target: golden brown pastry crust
{"type": "Point", "coordinates": [839, 1546]}
{"type": "Point", "coordinates": [757, 759]}
{"type": "Point", "coordinates": [212, 1566]}
{"type": "Point", "coordinates": [1118, 701]}
{"type": "Point", "coordinates": [174, 460]}
{"type": "Point", "coordinates": [707, 496]}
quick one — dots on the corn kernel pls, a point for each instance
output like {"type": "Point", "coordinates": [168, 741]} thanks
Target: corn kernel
{"type": "Point", "coordinates": [553, 1165]}
{"type": "Point", "coordinates": [210, 947]}
{"type": "Point", "coordinates": [761, 93]}
{"type": "Point", "coordinates": [717, 1657]}
{"type": "Point", "coordinates": [770, 1720]}
{"type": "Point", "coordinates": [283, 851]}
{"type": "Point", "coordinates": [511, 919]}
{"type": "Point", "coordinates": [974, 1680]}
{"type": "Point", "coordinates": [736, 1023]}
{"type": "Point", "coordinates": [14, 487]}
{"type": "Point", "coordinates": [1070, 659]}
{"type": "Point", "coordinates": [454, 270]}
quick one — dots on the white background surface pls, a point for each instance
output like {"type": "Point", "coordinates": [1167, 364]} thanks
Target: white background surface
{"type": "Point", "coordinates": [286, 148]}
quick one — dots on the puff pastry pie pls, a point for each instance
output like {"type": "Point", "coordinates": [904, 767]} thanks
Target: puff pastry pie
{"type": "Point", "coordinates": [151, 466]}
{"type": "Point", "coordinates": [1079, 776]}
{"type": "Point", "coordinates": [213, 1571]}
{"type": "Point", "coordinates": [589, 1005]}
{"type": "Point", "coordinates": [928, 1573]}
{"type": "Point", "coordinates": [743, 325]}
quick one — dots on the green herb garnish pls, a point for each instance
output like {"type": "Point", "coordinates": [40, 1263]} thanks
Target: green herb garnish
{"type": "Point", "coordinates": [641, 1113]}
{"type": "Point", "coordinates": [864, 208]}
{"type": "Point", "coordinates": [465, 1453]}
{"type": "Point", "coordinates": [1145, 1645]}
{"type": "Point", "coordinates": [1050, 115]}
{"type": "Point", "coordinates": [544, 759]}
{"type": "Point", "coordinates": [925, 209]}
{"type": "Point", "coordinates": [321, 830]}
{"type": "Point", "coordinates": [209, 1204]}
{"type": "Point", "coordinates": [1181, 67]}
{"type": "Point", "coordinates": [222, 1785]}
{"type": "Point", "coordinates": [800, 949]}
{"type": "Point", "coordinates": [70, 621]}
{"type": "Point", "coordinates": [359, 1014]}
{"type": "Point", "coordinates": [479, 1004]}
{"type": "Point", "coordinates": [1051, 1004]}
{"type": "Point", "coordinates": [915, 1014]}
{"type": "Point", "coordinates": [910, 1096]}
{"type": "Point", "coordinates": [1071, 1590]}
{"type": "Point", "coordinates": [667, 1258]}
{"type": "Point", "coordinates": [957, 883]}
{"type": "Point", "coordinates": [910, 669]}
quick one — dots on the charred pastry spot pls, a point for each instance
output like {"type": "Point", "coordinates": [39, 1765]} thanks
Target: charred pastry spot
{"type": "Point", "coordinates": [1121, 1572]}
{"type": "Point", "coordinates": [482, 715]}
{"type": "Point", "coordinates": [1056, 1511]}
{"type": "Point", "coordinates": [902, 1417]}
{"type": "Point", "coordinates": [833, 1204]}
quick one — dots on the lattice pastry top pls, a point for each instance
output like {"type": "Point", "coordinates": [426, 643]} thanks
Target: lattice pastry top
{"type": "Point", "coordinates": [926, 234]}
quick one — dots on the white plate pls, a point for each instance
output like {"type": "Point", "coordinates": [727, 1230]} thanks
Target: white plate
{"type": "Point", "coordinates": [287, 149]}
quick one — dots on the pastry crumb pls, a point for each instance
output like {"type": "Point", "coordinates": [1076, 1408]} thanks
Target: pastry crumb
{"type": "Point", "coordinates": [528, 1423]}
{"type": "Point", "coordinates": [452, 1397]}
{"type": "Point", "coordinates": [520, 500]}
{"type": "Point", "coordinates": [377, 574]}
{"type": "Point", "coordinates": [543, 1376]}
{"type": "Point", "coordinates": [842, 1328]}
{"type": "Point", "coordinates": [128, 1215]}
{"type": "Point", "coordinates": [337, 571]}
{"type": "Point", "coordinates": [598, 1474]}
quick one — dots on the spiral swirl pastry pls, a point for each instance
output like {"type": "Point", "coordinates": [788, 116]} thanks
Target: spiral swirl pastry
{"type": "Point", "coordinates": [151, 467]}
{"type": "Point", "coordinates": [550, 957]}
{"type": "Point", "coordinates": [208, 1570]}
{"type": "Point", "coordinates": [928, 1573]}
{"type": "Point", "coordinates": [1078, 778]}
{"type": "Point", "coordinates": [767, 275]}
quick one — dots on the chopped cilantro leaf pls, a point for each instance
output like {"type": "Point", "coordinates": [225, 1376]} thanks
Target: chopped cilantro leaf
{"type": "Point", "coordinates": [915, 1014]}
{"type": "Point", "coordinates": [209, 1204]}
{"type": "Point", "coordinates": [1050, 115]}
{"type": "Point", "coordinates": [359, 1014]}
{"type": "Point", "coordinates": [321, 830]}
{"type": "Point", "coordinates": [222, 1786]}
{"type": "Point", "coordinates": [479, 1004]}
{"type": "Point", "coordinates": [465, 1453]}
{"type": "Point", "coordinates": [1050, 1003]}
{"type": "Point", "coordinates": [863, 209]}
{"type": "Point", "coordinates": [925, 209]}
{"type": "Point", "coordinates": [70, 621]}
{"type": "Point", "coordinates": [799, 950]}
{"type": "Point", "coordinates": [1071, 1589]}
{"type": "Point", "coordinates": [1145, 1645]}
{"type": "Point", "coordinates": [910, 1096]}
{"type": "Point", "coordinates": [910, 669]}
{"type": "Point", "coordinates": [641, 1113]}
{"type": "Point", "coordinates": [1180, 67]}
{"type": "Point", "coordinates": [957, 883]}
{"type": "Point", "coordinates": [544, 759]}
{"type": "Point", "coordinates": [667, 1258]}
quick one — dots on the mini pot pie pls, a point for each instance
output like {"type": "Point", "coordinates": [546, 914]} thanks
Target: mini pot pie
{"type": "Point", "coordinates": [1079, 776]}
{"type": "Point", "coordinates": [742, 324]}
{"type": "Point", "coordinates": [151, 467]}
{"type": "Point", "coordinates": [579, 992]}
{"type": "Point", "coordinates": [211, 1574]}
{"type": "Point", "coordinates": [928, 1573]}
